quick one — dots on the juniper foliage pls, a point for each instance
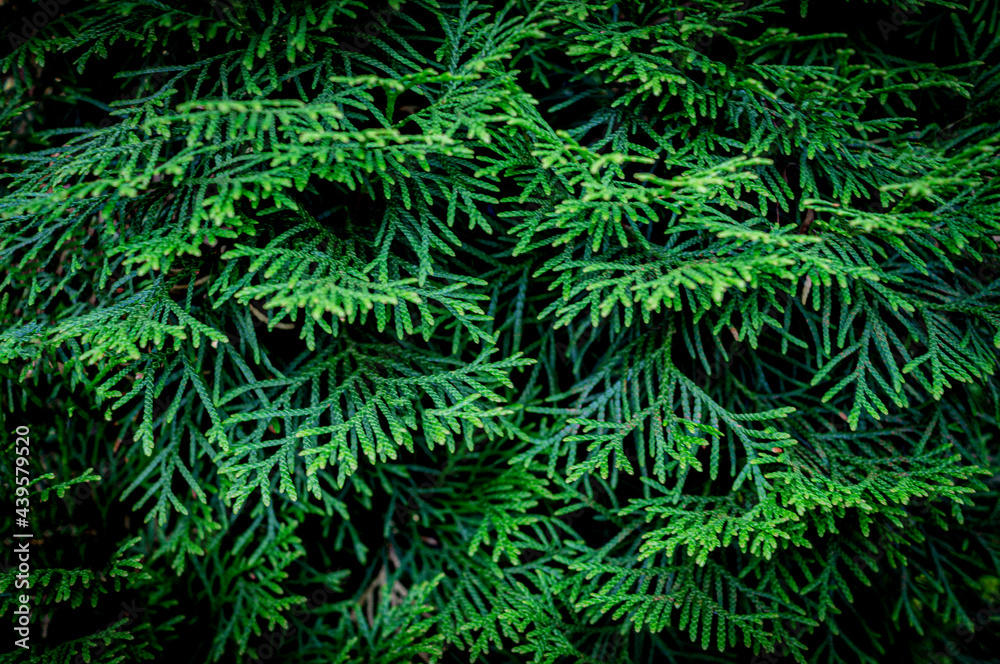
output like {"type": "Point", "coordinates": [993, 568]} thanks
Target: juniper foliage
{"type": "Point", "coordinates": [556, 331]}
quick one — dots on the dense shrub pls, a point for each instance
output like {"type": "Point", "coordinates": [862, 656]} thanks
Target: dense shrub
{"type": "Point", "coordinates": [554, 331]}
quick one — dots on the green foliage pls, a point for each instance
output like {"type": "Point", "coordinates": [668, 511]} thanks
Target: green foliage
{"type": "Point", "coordinates": [554, 331]}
